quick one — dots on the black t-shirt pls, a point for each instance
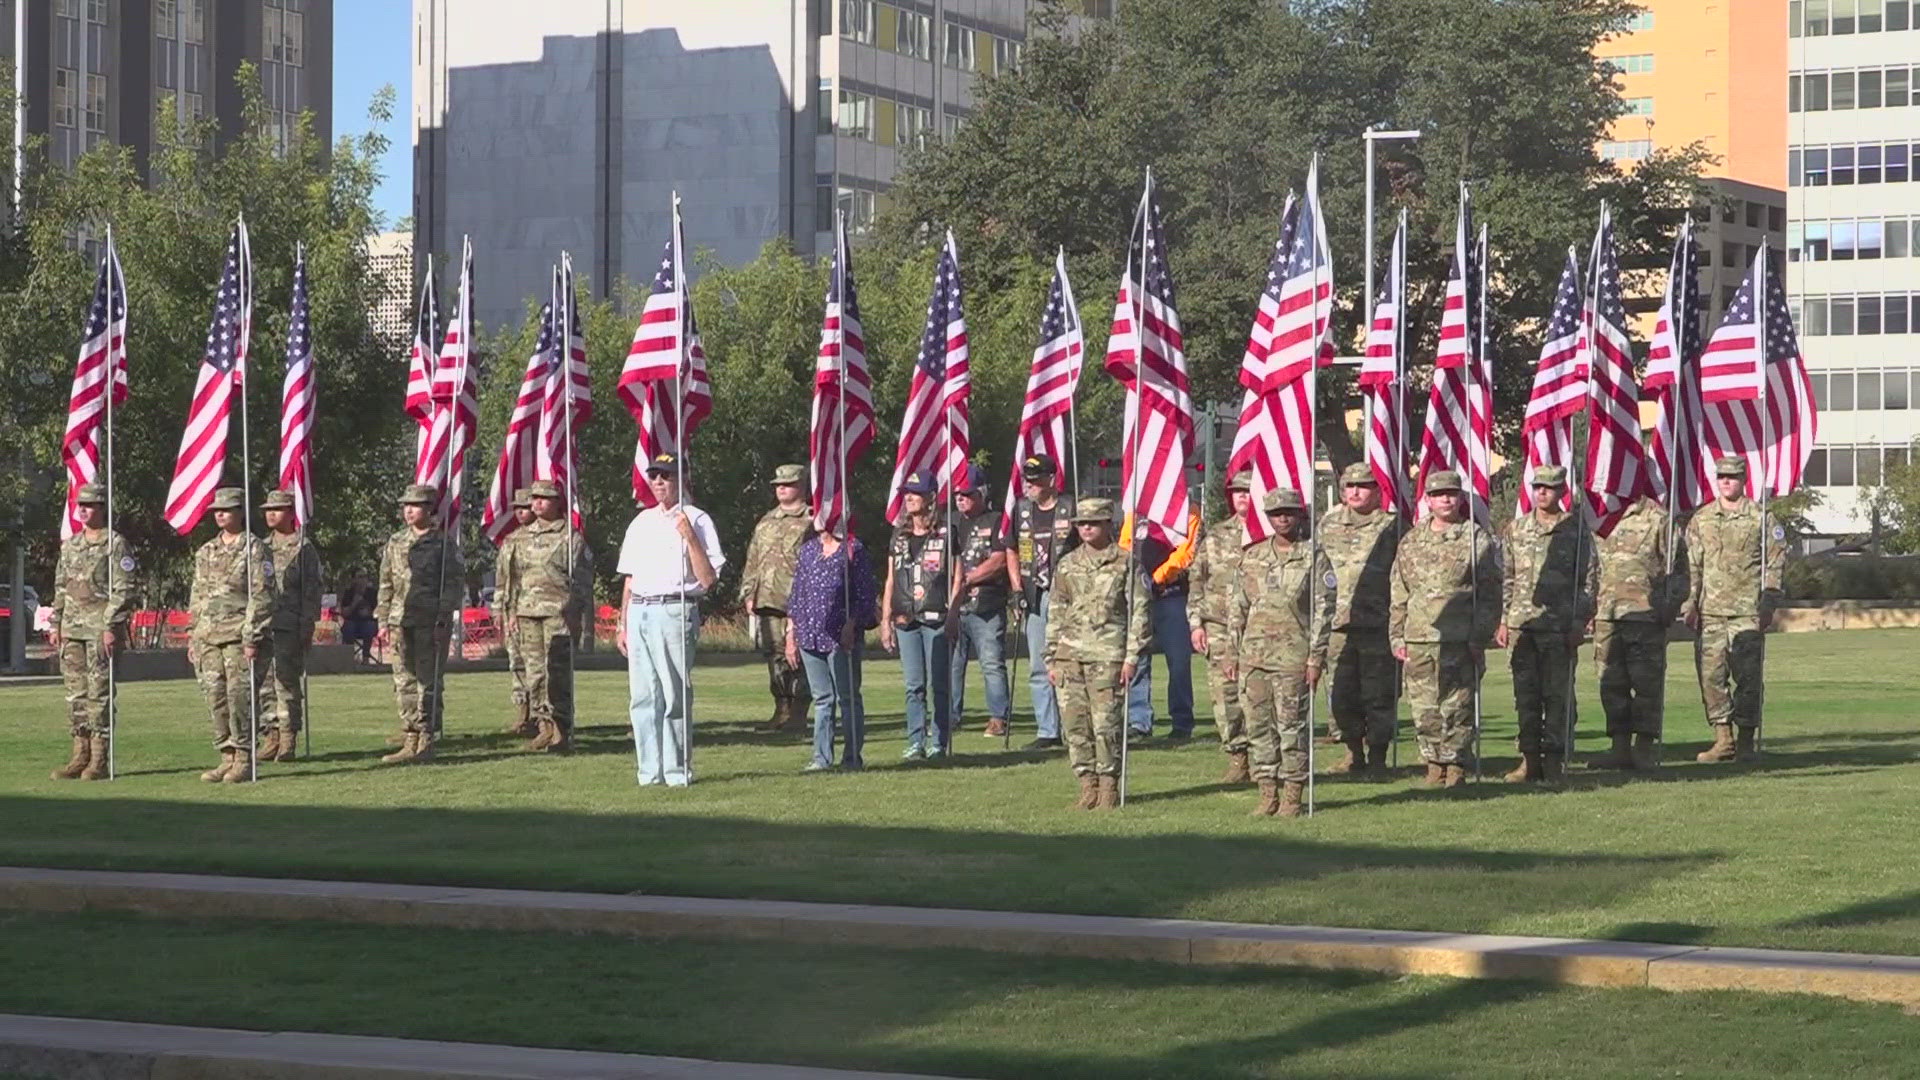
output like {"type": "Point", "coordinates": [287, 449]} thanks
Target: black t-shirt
{"type": "Point", "coordinates": [977, 538]}
{"type": "Point", "coordinates": [1040, 537]}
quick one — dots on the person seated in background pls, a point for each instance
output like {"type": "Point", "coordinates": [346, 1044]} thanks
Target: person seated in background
{"type": "Point", "coordinates": [357, 623]}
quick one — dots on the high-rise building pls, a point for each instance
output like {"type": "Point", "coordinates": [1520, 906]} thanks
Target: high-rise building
{"type": "Point", "coordinates": [92, 71]}
{"type": "Point", "coordinates": [1853, 238]}
{"type": "Point", "coordinates": [390, 259]}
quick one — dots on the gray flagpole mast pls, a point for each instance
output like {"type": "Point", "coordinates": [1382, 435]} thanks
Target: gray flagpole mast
{"type": "Point", "coordinates": [1682, 324]}
{"type": "Point", "coordinates": [244, 259]}
{"type": "Point", "coordinates": [1073, 430]}
{"type": "Point", "coordinates": [306, 698]}
{"type": "Point", "coordinates": [1479, 348]}
{"type": "Point", "coordinates": [953, 491]}
{"type": "Point", "coordinates": [1310, 209]}
{"type": "Point", "coordinates": [1129, 514]}
{"type": "Point", "coordinates": [679, 428]}
{"type": "Point", "coordinates": [568, 454]}
{"type": "Point", "coordinates": [1761, 310]}
{"type": "Point", "coordinates": [113, 384]}
{"type": "Point", "coordinates": [1576, 492]}
{"type": "Point", "coordinates": [462, 314]}
{"type": "Point", "coordinates": [1403, 475]}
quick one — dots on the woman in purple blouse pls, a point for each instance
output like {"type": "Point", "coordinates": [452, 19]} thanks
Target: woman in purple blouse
{"type": "Point", "coordinates": [833, 604]}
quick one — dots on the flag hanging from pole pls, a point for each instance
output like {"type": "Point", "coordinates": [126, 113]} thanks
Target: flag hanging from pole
{"type": "Point", "coordinates": [1616, 472]}
{"type": "Point", "coordinates": [1146, 354]}
{"type": "Point", "coordinates": [1759, 400]}
{"type": "Point", "coordinates": [516, 467]}
{"type": "Point", "coordinates": [102, 364]}
{"type": "Point", "coordinates": [1051, 382]}
{"type": "Point", "coordinates": [1680, 473]}
{"type": "Point", "coordinates": [567, 394]}
{"type": "Point", "coordinates": [1457, 403]}
{"type": "Point", "coordinates": [456, 402]}
{"type": "Point", "coordinates": [1559, 388]}
{"type": "Point", "coordinates": [666, 347]}
{"type": "Point", "coordinates": [297, 401]}
{"type": "Point", "coordinates": [420, 365]}
{"type": "Point", "coordinates": [841, 428]}
{"type": "Point", "coordinates": [933, 431]}
{"type": "Point", "coordinates": [1382, 382]}
{"type": "Point", "coordinates": [203, 446]}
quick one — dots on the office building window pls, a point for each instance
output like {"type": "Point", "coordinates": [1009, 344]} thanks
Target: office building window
{"type": "Point", "coordinates": [1840, 167]}
{"type": "Point", "coordinates": [1817, 18]}
{"type": "Point", "coordinates": [1776, 218]}
{"type": "Point", "coordinates": [1815, 99]}
{"type": "Point", "coordinates": [1643, 106]}
{"type": "Point", "coordinates": [913, 35]}
{"type": "Point", "coordinates": [1897, 15]}
{"type": "Point", "coordinates": [857, 205]}
{"type": "Point", "coordinates": [1868, 170]}
{"type": "Point", "coordinates": [823, 208]}
{"type": "Point", "coordinates": [1639, 20]}
{"type": "Point", "coordinates": [959, 49]}
{"type": "Point", "coordinates": [283, 34]}
{"type": "Point", "coordinates": [823, 107]}
{"type": "Point", "coordinates": [1843, 89]}
{"type": "Point", "coordinates": [97, 104]}
{"type": "Point", "coordinates": [168, 14]}
{"type": "Point", "coordinates": [955, 124]}
{"type": "Point", "coordinates": [1869, 89]}
{"type": "Point", "coordinates": [856, 115]}
{"type": "Point", "coordinates": [66, 96]}
{"type": "Point", "coordinates": [858, 19]}
{"type": "Point", "coordinates": [1008, 53]}
{"type": "Point", "coordinates": [1636, 64]}
{"type": "Point", "coordinates": [1844, 16]}
{"type": "Point", "coordinates": [912, 125]}
{"type": "Point", "coordinates": [1626, 150]}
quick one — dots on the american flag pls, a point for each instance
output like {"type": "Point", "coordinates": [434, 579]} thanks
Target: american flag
{"type": "Point", "coordinates": [934, 428]}
{"type": "Point", "coordinates": [1051, 382]}
{"type": "Point", "coordinates": [665, 362]}
{"type": "Point", "coordinates": [516, 467]}
{"type": "Point", "coordinates": [842, 424]}
{"type": "Point", "coordinates": [1291, 337]}
{"type": "Point", "coordinates": [1383, 383]}
{"type": "Point", "coordinates": [1680, 474]}
{"type": "Point", "coordinates": [296, 400]}
{"type": "Point", "coordinates": [203, 446]}
{"type": "Point", "coordinates": [103, 360]}
{"type": "Point", "coordinates": [420, 364]}
{"type": "Point", "coordinates": [1559, 387]}
{"type": "Point", "coordinates": [568, 393]}
{"type": "Point", "coordinates": [455, 401]}
{"type": "Point", "coordinates": [1771, 421]}
{"type": "Point", "coordinates": [1459, 422]}
{"type": "Point", "coordinates": [1616, 471]}
{"type": "Point", "coordinates": [1145, 353]}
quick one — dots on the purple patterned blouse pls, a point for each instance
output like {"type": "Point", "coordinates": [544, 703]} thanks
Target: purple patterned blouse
{"type": "Point", "coordinates": [818, 603]}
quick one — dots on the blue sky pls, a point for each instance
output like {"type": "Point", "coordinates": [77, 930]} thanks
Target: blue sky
{"type": "Point", "coordinates": [371, 49]}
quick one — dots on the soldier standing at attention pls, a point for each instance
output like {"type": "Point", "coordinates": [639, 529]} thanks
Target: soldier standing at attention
{"type": "Point", "coordinates": [1445, 604]}
{"type": "Point", "coordinates": [1096, 636]}
{"type": "Point", "coordinates": [232, 606]}
{"type": "Point", "coordinates": [1730, 608]}
{"type": "Point", "coordinates": [1636, 599]}
{"type": "Point", "coordinates": [980, 602]}
{"type": "Point", "coordinates": [523, 724]}
{"type": "Point", "coordinates": [422, 579]}
{"type": "Point", "coordinates": [1549, 598]}
{"type": "Point", "coordinates": [1359, 539]}
{"type": "Point", "coordinates": [772, 555]}
{"type": "Point", "coordinates": [1041, 535]}
{"type": "Point", "coordinates": [1276, 643]}
{"type": "Point", "coordinates": [548, 598]}
{"type": "Point", "coordinates": [1210, 580]}
{"type": "Point", "coordinates": [92, 599]}
{"type": "Point", "coordinates": [296, 564]}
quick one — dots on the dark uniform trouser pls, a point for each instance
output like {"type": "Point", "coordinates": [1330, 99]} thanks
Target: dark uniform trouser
{"type": "Point", "coordinates": [1632, 658]}
{"type": "Point", "coordinates": [233, 685]}
{"type": "Point", "coordinates": [83, 667]}
{"type": "Point", "coordinates": [546, 650]}
{"type": "Point", "coordinates": [1229, 712]}
{"type": "Point", "coordinates": [1365, 680]}
{"type": "Point", "coordinates": [786, 682]}
{"type": "Point", "coordinates": [1542, 663]}
{"type": "Point", "coordinates": [1276, 710]}
{"type": "Point", "coordinates": [417, 678]}
{"type": "Point", "coordinates": [287, 692]}
{"type": "Point", "coordinates": [1729, 654]}
{"type": "Point", "coordinates": [1091, 703]}
{"type": "Point", "coordinates": [1441, 680]}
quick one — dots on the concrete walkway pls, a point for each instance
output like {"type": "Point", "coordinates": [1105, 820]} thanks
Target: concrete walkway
{"type": "Point", "coordinates": [1569, 961]}
{"type": "Point", "coordinates": [47, 1046]}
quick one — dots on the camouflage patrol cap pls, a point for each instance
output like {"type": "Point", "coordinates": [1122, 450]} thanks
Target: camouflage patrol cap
{"type": "Point", "coordinates": [1732, 465]}
{"type": "Point", "coordinates": [522, 499]}
{"type": "Point", "coordinates": [1443, 480]}
{"type": "Point", "coordinates": [1550, 476]}
{"type": "Point", "coordinates": [1037, 467]}
{"type": "Point", "coordinates": [420, 495]}
{"type": "Point", "coordinates": [1093, 510]}
{"type": "Point", "coordinates": [1358, 473]}
{"type": "Point", "coordinates": [1241, 481]}
{"type": "Point", "coordinates": [277, 499]}
{"type": "Point", "coordinates": [227, 498]}
{"type": "Point", "coordinates": [543, 489]}
{"type": "Point", "coordinates": [91, 495]}
{"type": "Point", "coordinates": [790, 474]}
{"type": "Point", "coordinates": [1283, 500]}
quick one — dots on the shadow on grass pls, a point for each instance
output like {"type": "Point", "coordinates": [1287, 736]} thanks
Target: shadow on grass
{"type": "Point", "coordinates": [1896, 908]}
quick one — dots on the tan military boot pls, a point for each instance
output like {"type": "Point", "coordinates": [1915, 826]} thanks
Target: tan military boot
{"type": "Point", "coordinates": [1089, 792]}
{"type": "Point", "coordinates": [240, 769]}
{"type": "Point", "coordinates": [1528, 769]}
{"type": "Point", "coordinates": [270, 743]}
{"type": "Point", "coordinates": [96, 759]}
{"type": "Point", "coordinates": [289, 747]}
{"type": "Point", "coordinates": [1436, 774]}
{"type": "Point", "coordinates": [1722, 748]}
{"type": "Point", "coordinates": [213, 775]}
{"type": "Point", "coordinates": [1237, 772]}
{"type": "Point", "coordinates": [422, 750]}
{"type": "Point", "coordinates": [1746, 745]}
{"type": "Point", "coordinates": [77, 763]}
{"type": "Point", "coordinates": [1646, 752]}
{"type": "Point", "coordinates": [1456, 776]}
{"type": "Point", "coordinates": [562, 740]}
{"type": "Point", "coordinates": [523, 725]}
{"type": "Point", "coordinates": [1619, 757]}
{"type": "Point", "coordinates": [1553, 769]}
{"type": "Point", "coordinates": [409, 745]}
{"type": "Point", "coordinates": [549, 734]}
{"type": "Point", "coordinates": [1355, 761]}
{"type": "Point", "coordinates": [1269, 798]}
{"type": "Point", "coordinates": [1109, 797]}
{"type": "Point", "coordinates": [1377, 756]}
{"type": "Point", "coordinates": [1293, 795]}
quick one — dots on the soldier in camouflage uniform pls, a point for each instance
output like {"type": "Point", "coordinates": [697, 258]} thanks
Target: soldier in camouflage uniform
{"type": "Point", "coordinates": [772, 555]}
{"type": "Point", "coordinates": [234, 597]}
{"type": "Point", "coordinates": [1210, 582]}
{"type": "Point", "coordinates": [548, 581]}
{"type": "Point", "coordinates": [1635, 600]}
{"type": "Point", "coordinates": [92, 599]}
{"type": "Point", "coordinates": [1445, 604]}
{"type": "Point", "coordinates": [1096, 636]}
{"type": "Point", "coordinates": [296, 565]}
{"type": "Point", "coordinates": [1359, 538]}
{"type": "Point", "coordinates": [1549, 556]}
{"type": "Point", "coordinates": [422, 580]}
{"type": "Point", "coordinates": [523, 724]}
{"type": "Point", "coordinates": [1276, 644]}
{"type": "Point", "coordinates": [1731, 604]}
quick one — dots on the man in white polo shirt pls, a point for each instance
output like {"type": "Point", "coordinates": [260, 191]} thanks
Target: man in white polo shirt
{"type": "Point", "coordinates": [670, 558]}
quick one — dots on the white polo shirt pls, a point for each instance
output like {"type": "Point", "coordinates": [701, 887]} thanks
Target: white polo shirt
{"type": "Point", "coordinates": [654, 558]}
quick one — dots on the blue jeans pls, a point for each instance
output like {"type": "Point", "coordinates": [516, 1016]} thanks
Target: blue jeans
{"type": "Point", "coordinates": [985, 638]}
{"type": "Point", "coordinates": [834, 679]}
{"type": "Point", "coordinates": [1167, 619]}
{"type": "Point", "coordinates": [1046, 707]}
{"type": "Point", "coordinates": [660, 641]}
{"type": "Point", "coordinates": [924, 663]}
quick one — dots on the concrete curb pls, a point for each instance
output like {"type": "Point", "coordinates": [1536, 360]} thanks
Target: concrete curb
{"type": "Point", "coordinates": [113, 1050]}
{"type": "Point", "coordinates": [1568, 961]}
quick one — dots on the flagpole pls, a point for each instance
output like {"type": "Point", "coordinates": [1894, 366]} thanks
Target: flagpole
{"type": "Point", "coordinates": [1073, 429]}
{"type": "Point", "coordinates": [1473, 436]}
{"type": "Point", "coordinates": [1579, 505]}
{"type": "Point", "coordinates": [1676, 396]}
{"type": "Point", "coordinates": [1311, 211]}
{"type": "Point", "coordinates": [947, 476]}
{"type": "Point", "coordinates": [679, 427]}
{"type": "Point", "coordinates": [1397, 281]}
{"type": "Point", "coordinates": [306, 477]}
{"type": "Point", "coordinates": [838, 286]}
{"type": "Point", "coordinates": [113, 384]}
{"type": "Point", "coordinates": [244, 258]}
{"type": "Point", "coordinates": [463, 308]}
{"type": "Point", "coordinates": [568, 455]}
{"type": "Point", "coordinates": [1129, 514]}
{"type": "Point", "coordinates": [1762, 304]}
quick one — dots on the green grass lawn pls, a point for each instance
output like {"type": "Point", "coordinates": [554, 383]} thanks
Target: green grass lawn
{"type": "Point", "coordinates": [953, 1013]}
{"type": "Point", "coordinates": [1814, 848]}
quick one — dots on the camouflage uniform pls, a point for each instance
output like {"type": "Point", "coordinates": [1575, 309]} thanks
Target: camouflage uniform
{"type": "Point", "coordinates": [547, 606]}
{"type": "Point", "coordinates": [772, 555]}
{"type": "Point", "coordinates": [1092, 632]}
{"type": "Point", "coordinates": [1727, 583]}
{"type": "Point", "coordinates": [1360, 548]}
{"type": "Point", "coordinates": [1445, 604]}
{"type": "Point", "coordinates": [92, 593]}
{"type": "Point", "coordinates": [422, 581]}
{"type": "Point", "coordinates": [1549, 597]}
{"type": "Point", "coordinates": [1278, 620]}
{"type": "Point", "coordinates": [233, 602]}
{"type": "Point", "coordinates": [1635, 600]}
{"type": "Point", "coordinates": [1210, 584]}
{"type": "Point", "coordinates": [502, 615]}
{"type": "Point", "coordinates": [297, 609]}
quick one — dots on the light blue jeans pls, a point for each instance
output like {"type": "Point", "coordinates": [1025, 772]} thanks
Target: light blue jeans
{"type": "Point", "coordinates": [924, 663]}
{"type": "Point", "coordinates": [1167, 619]}
{"type": "Point", "coordinates": [1046, 707]}
{"type": "Point", "coordinates": [660, 642]}
{"type": "Point", "coordinates": [984, 638]}
{"type": "Point", "coordinates": [834, 679]}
